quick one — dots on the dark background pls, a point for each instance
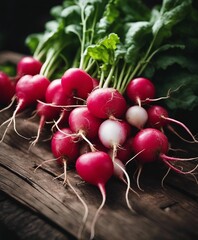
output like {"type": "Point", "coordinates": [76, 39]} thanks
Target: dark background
{"type": "Point", "coordinates": [19, 18]}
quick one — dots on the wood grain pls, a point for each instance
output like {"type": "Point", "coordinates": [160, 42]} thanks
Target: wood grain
{"type": "Point", "coordinates": [169, 213]}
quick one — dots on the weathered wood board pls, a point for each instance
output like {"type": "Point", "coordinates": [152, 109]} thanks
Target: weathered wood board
{"type": "Point", "coordinates": [34, 205]}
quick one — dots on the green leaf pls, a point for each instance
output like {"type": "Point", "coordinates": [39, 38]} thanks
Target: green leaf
{"type": "Point", "coordinates": [104, 50]}
{"type": "Point", "coordinates": [69, 11]}
{"type": "Point", "coordinates": [171, 13]}
{"type": "Point", "coordinates": [135, 38]}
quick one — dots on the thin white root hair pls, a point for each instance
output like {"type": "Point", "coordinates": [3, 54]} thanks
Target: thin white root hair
{"type": "Point", "coordinates": [86, 211]}
{"type": "Point", "coordinates": [102, 190]}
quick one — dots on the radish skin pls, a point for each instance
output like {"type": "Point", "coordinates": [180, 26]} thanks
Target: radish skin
{"type": "Point", "coordinates": [106, 103]}
{"type": "Point", "coordinates": [95, 168]}
{"type": "Point", "coordinates": [158, 117]}
{"type": "Point", "coordinates": [140, 90]}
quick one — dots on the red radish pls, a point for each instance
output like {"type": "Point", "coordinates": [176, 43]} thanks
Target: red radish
{"type": "Point", "coordinates": [158, 117]}
{"type": "Point", "coordinates": [106, 103]}
{"type": "Point", "coordinates": [112, 134]}
{"type": "Point", "coordinates": [57, 96]}
{"type": "Point", "coordinates": [124, 153]}
{"type": "Point", "coordinates": [65, 148]}
{"type": "Point", "coordinates": [46, 113]}
{"type": "Point", "coordinates": [84, 124]}
{"type": "Point", "coordinates": [95, 83]}
{"type": "Point", "coordinates": [29, 89]}
{"type": "Point", "coordinates": [140, 90]}
{"type": "Point", "coordinates": [137, 116]}
{"type": "Point", "coordinates": [76, 82]}
{"type": "Point", "coordinates": [55, 100]}
{"type": "Point", "coordinates": [151, 145]}
{"type": "Point", "coordinates": [7, 89]}
{"type": "Point", "coordinates": [95, 168]}
{"type": "Point", "coordinates": [28, 65]}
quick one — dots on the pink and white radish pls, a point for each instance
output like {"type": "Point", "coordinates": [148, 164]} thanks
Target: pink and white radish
{"type": "Point", "coordinates": [95, 168]}
{"type": "Point", "coordinates": [137, 116]}
{"type": "Point", "coordinates": [112, 134]}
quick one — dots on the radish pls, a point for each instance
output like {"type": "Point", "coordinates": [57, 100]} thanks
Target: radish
{"type": "Point", "coordinates": [28, 90]}
{"type": "Point", "coordinates": [46, 113]}
{"type": "Point", "coordinates": [140, 90]}
{"type": "Point", "coordinates": [7, 89]}
{"type": "Point", "coordinates": [95, 168]}
{"type": "Point", "coordinates": [158, 117]}
{"type": "Point", "coordinates": [106, 103]}
{"type": "Point", "coordinates": [137, 116]}
{"type": "Point", "coordinates": [76, 82]}
{"type": "Point", "coordinates": [65, 148]}
{"type": "Point", "coordinates": [28, 65]}
{"type": "Point", "coordinates": [112, 134]}
{"type": "Point", "coordinates": [55, 100]}
{"type": "Point", "coordinates": [124, 153]}
{"type": "Point", "coordinates": [57, 96]}
{"type": "Point", "coordinates": [84, 124]}
{"type": "Point", "coordinates": [152, 145]}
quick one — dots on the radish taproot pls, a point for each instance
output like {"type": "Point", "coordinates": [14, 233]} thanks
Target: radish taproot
{"type": "Point", "coordinates": [95, 168]}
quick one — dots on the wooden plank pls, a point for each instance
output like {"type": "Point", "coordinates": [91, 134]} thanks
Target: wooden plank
{"type": "Point", "coordinates": [169, 213]}
{"type": "Point", "coordinates": [18, 222]}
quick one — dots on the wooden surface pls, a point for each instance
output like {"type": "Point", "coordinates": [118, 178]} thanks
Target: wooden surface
{"type": "Point", "coordinates": [35, 206]}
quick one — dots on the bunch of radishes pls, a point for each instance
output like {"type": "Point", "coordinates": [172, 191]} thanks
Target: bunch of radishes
{"type": "Point", "coordinates": [96, 129]}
